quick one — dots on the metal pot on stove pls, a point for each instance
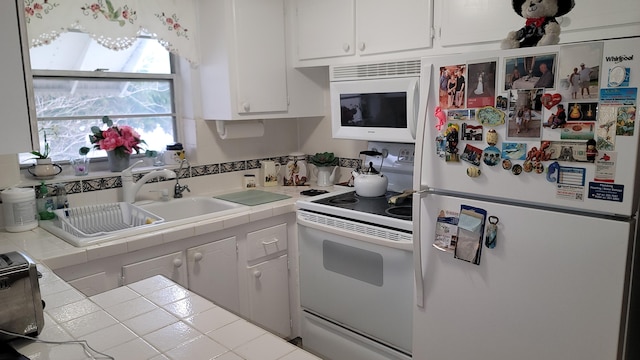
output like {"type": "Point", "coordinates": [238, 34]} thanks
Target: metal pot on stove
{"type": "Point", "coordinates": [369, 182]}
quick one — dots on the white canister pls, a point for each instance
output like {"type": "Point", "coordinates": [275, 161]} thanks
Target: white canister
{"type": "Point", "coordinates": [19, 207]}
{"type": "Point", "coordinates": [296, 173]}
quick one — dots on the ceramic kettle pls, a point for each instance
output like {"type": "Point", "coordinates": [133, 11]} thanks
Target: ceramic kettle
{"type": "Point", "coordinates": [370, 182]}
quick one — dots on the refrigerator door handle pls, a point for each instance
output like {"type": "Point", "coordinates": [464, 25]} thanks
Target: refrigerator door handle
{"type": "Point", "coordinates": [417, 247]}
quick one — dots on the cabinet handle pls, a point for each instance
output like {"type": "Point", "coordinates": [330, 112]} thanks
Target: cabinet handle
{"type": "Point", "coordinates": [257, 274]}
{"type": "Point", "coordinates": [361, 46]}
{"type": "Point", "coordinates": [246, 106]}
{"type": "Point", "coordinates": [346, 47]}
{"type": "Point", "coordinates": [177, 262]}
{"type": "Point", "coordinates": [265, 243]}
{"type": "Point", "coordinates": [197, 256]}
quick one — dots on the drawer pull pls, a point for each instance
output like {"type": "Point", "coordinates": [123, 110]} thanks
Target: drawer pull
{"type": "Point", "coordinates": [177, 262]}
{"type": "Point", "coordinates": [197, 256]}
{"type": "Point", "coordinates": [257, 274]}
{"type": "Point", "coordinates": [265, 243]}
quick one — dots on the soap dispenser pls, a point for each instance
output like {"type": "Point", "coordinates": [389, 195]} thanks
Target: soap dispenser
{"type": "Point", "coordinates": [45, 203]}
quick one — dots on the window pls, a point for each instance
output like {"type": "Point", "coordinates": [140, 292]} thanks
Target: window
{"type": "Point", "coordinates": [77, 82]}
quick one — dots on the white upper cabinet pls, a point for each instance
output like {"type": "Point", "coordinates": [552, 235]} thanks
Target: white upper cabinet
{"type": "Point", "coordinates": [325, 28]}
{"type": "Point", "coordinates": [472, 22]}
{"type": "Point", "coordinates": [243, 64]}
{"type": "Point", "coordinates": [389, 26]}
{"type": "Point", "coordinates": [243, 68]}
{"type": "Point", "coordinates": [15, 73]}
{"type": "Point", "coordinates": [358, 28]}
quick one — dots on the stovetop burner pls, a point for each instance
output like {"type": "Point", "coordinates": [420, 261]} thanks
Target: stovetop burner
{"type": "Point", "coordinates": [343, 201]}
{"type": "Point", "coordinates": [373, 205]}
{"type": "Point", "coordinates": [403, 212]}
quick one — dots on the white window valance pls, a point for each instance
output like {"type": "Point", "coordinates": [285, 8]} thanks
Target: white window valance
{"type": "Point", "coordinates": [115, 24]}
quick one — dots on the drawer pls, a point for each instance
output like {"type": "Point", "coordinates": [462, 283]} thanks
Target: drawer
{"type": "Point", "coordinates": [267, 241]}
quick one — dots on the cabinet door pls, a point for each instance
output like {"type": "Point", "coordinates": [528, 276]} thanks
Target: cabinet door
{"type": "Point", "coordinates": [472, 22]}
{"type": "Point", "coordinates": [15, 136]}
{"type": "Point", "coordinates": [260, 56]}
{"type": "Point", "coordinates": [591, 14]}
{"type": "Point", "coordinates": [213, 272]}
{"type": "Point", "coordinates": [170, 265]}
{"type": "Point", "coordinates": [325, 28]}
{"type": "Point", "coordinates": [269, 295]}
{"type": "Point", "coordinates": [388, 26]}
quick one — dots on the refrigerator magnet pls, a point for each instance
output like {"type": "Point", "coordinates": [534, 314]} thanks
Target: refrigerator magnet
{"type": "Point", "coordinates": [491, 155]}
{"type": "Point", "coordinates": [516, 169]}
{"type": "Point", "coordinates": [492, 232]}
{"type": "Point", "coordinates": [470, 231]}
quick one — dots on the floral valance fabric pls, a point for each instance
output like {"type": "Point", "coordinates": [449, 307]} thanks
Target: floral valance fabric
{"type": "Point", "coordinates": [116, 23]}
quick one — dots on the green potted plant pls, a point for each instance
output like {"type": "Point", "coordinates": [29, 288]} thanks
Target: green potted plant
{"type": "Point", "coordinates": [326, 166]}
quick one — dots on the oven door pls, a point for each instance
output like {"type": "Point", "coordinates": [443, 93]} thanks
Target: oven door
{"type": "Point", "coordinates": [364, 286]}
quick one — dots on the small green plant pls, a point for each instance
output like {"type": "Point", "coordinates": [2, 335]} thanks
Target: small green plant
{"type": "Point", "coordinates": [44, 154]}
{"type": "Point", "coordinates": [324, 159]}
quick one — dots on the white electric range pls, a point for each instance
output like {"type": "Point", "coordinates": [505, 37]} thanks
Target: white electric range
{"type": "Point", "coordinates": [356, 272]}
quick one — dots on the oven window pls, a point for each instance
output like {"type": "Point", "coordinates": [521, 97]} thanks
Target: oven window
{"type": "Point", "coordinates": [388, 110]}
{"type": "Point", "coordinates": [359, 264]}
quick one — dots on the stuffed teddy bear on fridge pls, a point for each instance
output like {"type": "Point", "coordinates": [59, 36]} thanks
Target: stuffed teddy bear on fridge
{"type": "Point", "coordinates": [541, 27]}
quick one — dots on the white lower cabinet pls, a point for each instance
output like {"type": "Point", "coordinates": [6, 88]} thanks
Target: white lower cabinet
{"type": "Point", "coordinates": [266, 279]}
{"type": "Point", "coordinates": [171, 266]}
{"type": "Point", "coordinates": [269, 295]}
{"type": "Point", "coordinates": [247, 269]}
{"type": "Point", "coordinates": [213, 274]}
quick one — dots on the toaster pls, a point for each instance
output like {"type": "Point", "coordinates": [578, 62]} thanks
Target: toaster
{"type": "Point", "coordinates": [22, 306]}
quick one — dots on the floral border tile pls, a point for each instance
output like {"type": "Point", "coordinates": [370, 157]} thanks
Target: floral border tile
{"type": "Point", "coordinates": [111, 182]}
{"type": "Point", "coordinates": [253, 164]}
{"type": "Point", "coordinates": [91, 185]}
{"type": "Point", "coordinates": [232, 166]}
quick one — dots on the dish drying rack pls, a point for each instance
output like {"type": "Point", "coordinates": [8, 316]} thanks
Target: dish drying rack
{"type": "Point", "coordinates": [103, 219]}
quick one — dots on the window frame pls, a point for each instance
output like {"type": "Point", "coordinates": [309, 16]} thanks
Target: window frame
{"type": "Point", "coordinates": [98, 74]}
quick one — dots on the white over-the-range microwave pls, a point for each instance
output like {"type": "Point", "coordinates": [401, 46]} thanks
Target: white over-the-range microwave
{"type": "Point", "coordinates": [375, 101]}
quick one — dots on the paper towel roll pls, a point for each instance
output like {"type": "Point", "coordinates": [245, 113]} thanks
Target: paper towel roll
{"type": "Point", "coordinates": [240, 129]}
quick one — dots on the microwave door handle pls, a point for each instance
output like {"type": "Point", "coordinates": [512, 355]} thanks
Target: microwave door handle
{"type": "Point", "coordinates": [421, 96]}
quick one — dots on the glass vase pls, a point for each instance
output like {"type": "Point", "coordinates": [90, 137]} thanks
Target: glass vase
{"type": "Point", "coordinates": [80, 166]}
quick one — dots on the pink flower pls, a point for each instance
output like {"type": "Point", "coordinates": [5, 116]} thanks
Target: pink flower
{"type": "Point", "coordinates": [29, 11]}
{"type": "Point", "coordinates": [95, 7]}
{"type": "Point", "coordinates": [176, 26]}
{"type": "Point", "coordinates": [169, 21]}
{"type": "Point", "coordinates": [37, 7]}
{"type": "Point", "coordinates": [122, 139]}
{"type": "Point", "coordinates": [125, 14]}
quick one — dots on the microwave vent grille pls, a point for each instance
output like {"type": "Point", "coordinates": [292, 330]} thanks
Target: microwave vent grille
{"type": "Point", "coordinates": [376, 70]}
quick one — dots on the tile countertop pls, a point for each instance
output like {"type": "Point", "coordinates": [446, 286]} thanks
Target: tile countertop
{"type": "Point", "coordinates": [55, 253]}
{"type": "Point", "coordinates": [154, 318]}
{"type": "Point", "coordinates": [151, 319]}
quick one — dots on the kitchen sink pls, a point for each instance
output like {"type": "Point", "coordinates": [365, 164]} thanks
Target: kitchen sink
{"type": "Point", "coordinates": [95, 224]}
{"type": "Point", "coordinates": [183, 208]}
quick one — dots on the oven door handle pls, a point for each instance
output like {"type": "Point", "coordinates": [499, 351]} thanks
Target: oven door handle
{"type": "Point", "coordinates": [402, 245]}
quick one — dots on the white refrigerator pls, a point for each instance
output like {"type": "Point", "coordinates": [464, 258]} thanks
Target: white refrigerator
{"type": "Point", "coordinates": [557, 284]}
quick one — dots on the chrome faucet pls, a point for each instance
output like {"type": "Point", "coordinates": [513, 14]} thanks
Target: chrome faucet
{"type": "Point", "coordinates": [178, 189]}
{"type": "Point", "coordinates": [130, 188]}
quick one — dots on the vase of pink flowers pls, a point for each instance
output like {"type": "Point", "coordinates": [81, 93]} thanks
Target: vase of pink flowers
{"type": "Point", "coordinates": [119, 141]}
